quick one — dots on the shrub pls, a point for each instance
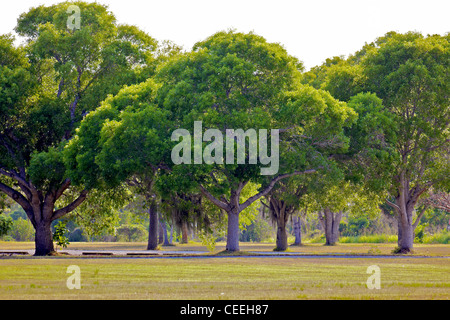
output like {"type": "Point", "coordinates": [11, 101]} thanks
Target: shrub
{"type": "Point", "coordinates": [377, 238]}
{"type": "Point", "coordinates": [22, 230]}
{"type": "Point", "coordinates": [131, 233]}
{"type": "Point", "coordinates": [438, 238]}
{"type": "Point", "coordinates": [60, 235]}
{"type": "Point", "coordinates": [5, 225]}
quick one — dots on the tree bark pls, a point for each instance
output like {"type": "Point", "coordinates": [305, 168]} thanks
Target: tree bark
{"type": "Point", "coordinates": [160, 230]}
{"type": "Point", "coordinates": [153, 226]}
{"type": "Point", "coordinates": [280, 213]}
{"type": "Point", "coordinates": [233, 231]}
{"type": "Point", "coordinates": [184, 232]}
{"type": "Point", "coordinates": [330, 222]}
{"type": "Point", "coordinates": [44, 239]}
{"type": "Point", "coordinates": [165, 233]}
{"type": "Point", "coordinates": [282, 239]}
{"type": "Point", "coordinates": [405, 226]}
{"type": "Point", "coordinates": [405, 202]}
{"type": "Point", "coordinates": [297, 230]}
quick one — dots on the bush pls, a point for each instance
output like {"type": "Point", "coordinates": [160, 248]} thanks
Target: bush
{"type": "Point", "coordinates": [131, 233]}
{"type": "Point", "coordinates": [22, 230]}
{"type": "Point", "coordinates": [59, 236]}
{"type": "Point", "coordinates": [317, 239]}
{"type": "Point", "coordinates": [354, 227]}
{"type": "Point", "coordinates": [259, 231]}
{"type": "Point", "coordinates": [5, 225]}
{"type": "Point", "coordinates": [377, 238]}
{"type": "Point", "coordinates": [438, 238]}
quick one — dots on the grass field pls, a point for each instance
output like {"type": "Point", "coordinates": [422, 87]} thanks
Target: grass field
{"type": "Point", "coordinates": [217, 278]}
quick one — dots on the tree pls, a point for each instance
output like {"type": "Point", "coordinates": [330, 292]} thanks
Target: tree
{"type": "Point", "coordinates": [409, 72]}
{"type": "Point", "coordinates": [47, 87]}
{"type": "Point", "coordinates": [236, 80]}
{"type": "Point", "coordinates": [283, 202]}
{"type": "Point", "coordinates": [332, 201]}
{"type": "Point", "coordinates": [123, 141]}
{"type": "Point", "coordinates": [409, 154]}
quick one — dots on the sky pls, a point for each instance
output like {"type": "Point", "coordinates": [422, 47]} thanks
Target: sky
{"type": "Point", "coordinates": [310, 30]}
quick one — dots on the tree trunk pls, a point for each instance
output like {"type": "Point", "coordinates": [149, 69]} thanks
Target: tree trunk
{"type": "Point", "coordinates": [282, 217]}
{"type": "Point", "coordinates": [184, 232]}
{"type": "Point", "coordinates": [330, 222]}
{"type": "Point", "coordinates": [153, 227]}
{"type": "Point", "coordinates": [166, 236]}
{"type": "Point", "coordinates": [405, 230]}
{"type": "Point", "coordinates": [297, 230]}
{"type": "Point", "coordinates": [160, 231]}
{"type": "Point", "coordinates": [406, 242]}
{"type": "Point", "coordinates": [282, 241]}
{"type": "Point", "coordinates": [233, 232]}
{"type": "Point", "coordinates": [399, 232]}
{"type": "Point", "coordinates": [404, 205]}
{"type": "Point", "coordinates": [44, 239]}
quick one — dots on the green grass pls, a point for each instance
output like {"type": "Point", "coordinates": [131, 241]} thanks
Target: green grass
{"type": "Point", "coordinates": [224, 278]}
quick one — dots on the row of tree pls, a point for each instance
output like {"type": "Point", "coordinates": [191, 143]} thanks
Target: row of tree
{"type": "Point", "coordinates": [87, 117]}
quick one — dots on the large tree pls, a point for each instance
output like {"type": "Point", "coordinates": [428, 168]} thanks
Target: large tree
{"type": "Point", "coordinates": [240, 81]}
{"type": "Point", "coordinates": [60, 74]}
{"type": "Point", "coordinates": [408, 155]}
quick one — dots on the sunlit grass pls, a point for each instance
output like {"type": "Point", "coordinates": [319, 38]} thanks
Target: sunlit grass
{"type": "Point", "coordinates": [225, 278]}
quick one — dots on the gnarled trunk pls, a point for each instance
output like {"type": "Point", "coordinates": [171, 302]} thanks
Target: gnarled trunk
{"type": "Point", "coordinates": [44, 239]}
{"type": "Point", "coordinates": [280, 213]}
{"type": "Point", "coordinates": [330, 223]}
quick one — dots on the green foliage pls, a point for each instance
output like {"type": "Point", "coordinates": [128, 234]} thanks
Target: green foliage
{"type": "Point", "coordinates": [98, 214]}
{"type": "Point", "coordinates": [5, 225]}
{"type": "Point", "coordinates": [420, 233]}
{"type": "Point", "coordinates": [441, 238]}
{"type": "Point", "coordinates": [354, 227]}
{"type": "Point", "coordinates": [22, 230]}
{"type": "Point", "coordinates": [131, 233]}
{"type": "Point", "coordinates": [259, 231]}
{"type": "Point", "coordinates": [47, 169]}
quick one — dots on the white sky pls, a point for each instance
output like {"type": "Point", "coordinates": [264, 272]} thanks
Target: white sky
{"type": "Point", "coordinates": [310, 30]}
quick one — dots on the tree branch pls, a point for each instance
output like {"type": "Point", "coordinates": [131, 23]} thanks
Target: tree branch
{"type": "Point", "coordinates": [20, 199]}
{"type": "Point", "coordinates": [271, 185]}
{"type": "Point", "coordinates": [416, 223]}
{"type": "Point", "coordinates": [64, 186]}
{"type": "Point", "coordinates": [63, 211]}
{"type": "Point", "coordinates": [213, 199]}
